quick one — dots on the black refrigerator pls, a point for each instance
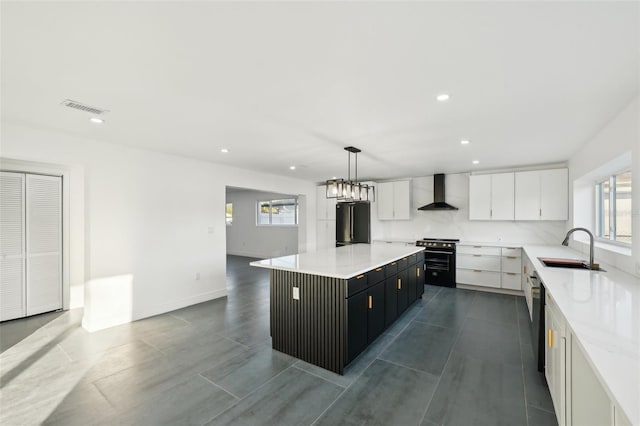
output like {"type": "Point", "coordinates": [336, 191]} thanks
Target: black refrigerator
{"type": "Point", "coordinates": [353, 223]}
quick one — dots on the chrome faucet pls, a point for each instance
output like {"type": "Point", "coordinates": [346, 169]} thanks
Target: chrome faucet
{"type": "Point", "coordinates": [566, 243]}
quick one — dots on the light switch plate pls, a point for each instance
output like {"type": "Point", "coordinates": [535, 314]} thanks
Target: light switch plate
{"type": "Point", "coordinates": [296, 293]}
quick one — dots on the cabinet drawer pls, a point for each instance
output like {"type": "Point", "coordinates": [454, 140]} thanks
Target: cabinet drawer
{"type": "Point", "coordinates": [420, 257]}
{"type": "Point", "coordinates": [375, 276]}
{"type": "Point", "coordinates": [511, 264]}
{"type": "Point", "coordinates": [494, 251]}
{"type": "Point", "coordinates": [413, 259]}
{"type": "Point", "coordinates": [511, 252]}
{"type": "Point", "coordinates": [478, 261]}
{"type": "Point", "coordinates": [391, 269]}
{"type": "Point", "coordinates": [511, 281]}
{"type": "Point", "coordinates": [356, 284]}
{"type": "Point", "coordinates": [403, 263]}
{"type": "Point", "coordinates": [477, 277]}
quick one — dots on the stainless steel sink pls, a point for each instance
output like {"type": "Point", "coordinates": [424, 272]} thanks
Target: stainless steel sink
{"type": "Point", "coordinates": [568, 263]}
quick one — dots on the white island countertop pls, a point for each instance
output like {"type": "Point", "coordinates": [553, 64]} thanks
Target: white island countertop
{"type": "Point", "coordinates": [340, 262]}
{"type": "Point", "coordinates": [602, 310]}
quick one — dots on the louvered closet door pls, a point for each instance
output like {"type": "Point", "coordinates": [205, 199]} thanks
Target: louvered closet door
{"type": "Point", "coordinates": [44, 243]}
{"type": "Point", "coordinates": [12, 261]}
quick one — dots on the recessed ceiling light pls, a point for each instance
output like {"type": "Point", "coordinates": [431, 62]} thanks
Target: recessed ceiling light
{"type": "Point", "coordinates": [476, 162]}
{"type": "Point", "coordinates": [292, 167]}
{"type": "Point", "coordinates": [224, 150]}
{"type": "Point", "coordinates": [464, 142]}
{"type": "Point", "coordinates": [442, 97]}
{"type": "Point", "coordinates": [96, 120]}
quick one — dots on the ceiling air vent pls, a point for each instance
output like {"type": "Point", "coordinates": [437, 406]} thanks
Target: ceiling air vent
{"type": "Point", "coordinates": [83, 107]}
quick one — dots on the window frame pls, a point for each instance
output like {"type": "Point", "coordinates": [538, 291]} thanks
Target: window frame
{"type": "Point", "coordinates": [296, 215]}
{"type": "Point", "coordinates": [228, 219]}
{"type": "Point", "coordinates": [599, 210]}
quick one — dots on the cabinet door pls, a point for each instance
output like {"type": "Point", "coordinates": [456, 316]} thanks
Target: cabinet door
{"type": "Point", "coordinates": [401, 200]}
{"type": "Point", "coordinates": [384, 199]}
{"type": "Point", "coordinates": [554, 194]}
{"type": "Point", "coordinates": [527, 195]}
{"type": "Point", "coordinates": [502, 196]}
{"type": "Point", "coordinates": [411, 284]}
{"type": "Point", "coordinates": [376, 308]}
{"type": "Point", "coordinates": [390, 300]}
{"type": "Point", "coordinates": [419, 271]}
{"type": "Point", "coordinates": [403, 291]}
{"type": "Point", "coordinates": [480, 197]}
{"type": "Point", "coordinates": [590, 404]}
{"type": "Point", "coordinates": [356, 324]}
{"type": "Point", "coordinates": [555, 362]}
{"type": "Point", "coordinates": [12, 246]}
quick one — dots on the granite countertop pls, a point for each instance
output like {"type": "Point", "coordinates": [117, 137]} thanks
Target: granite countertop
{"type": "Point", "coordinates": [340, 262]}
{"type": "Point", "coordinates": [602, 310]}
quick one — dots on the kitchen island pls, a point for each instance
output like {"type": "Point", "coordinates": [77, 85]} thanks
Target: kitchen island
{"type": "Point", "coordinates": [327, 306]}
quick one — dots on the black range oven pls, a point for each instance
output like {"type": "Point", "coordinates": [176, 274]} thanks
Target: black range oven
{"type": "Point", "coordinates": [439, 261]}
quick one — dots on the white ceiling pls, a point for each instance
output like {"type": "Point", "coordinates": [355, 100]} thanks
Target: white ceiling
{"type": "Point", "coordinates": [293, 83]}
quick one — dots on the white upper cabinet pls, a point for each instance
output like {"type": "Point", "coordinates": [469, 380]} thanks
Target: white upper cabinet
{"type": "Point", "coordinates": [554, 194]}
{"type": "Point", "coordinates": [491, 197]}
{"type": "Point", "coordinates": [393, 199]}
{"type": "Point", "coordinates": [480, 197]}
{"type": "Point", "coordinates": [325, 207]}
{"type": "Point", "coordinates": [542, 195]}
{"type": "Point", "coordinates": [528, 195]}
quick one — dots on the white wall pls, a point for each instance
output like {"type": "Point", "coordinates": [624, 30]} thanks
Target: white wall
{"type": "Point", "coordinates": [152, 221]}
{"type": "Point", "coordinates": [456, 223]}
{"type": "Point", "coordinates": [246, 238]}
{"type": "Point", "coordinates": [620, 138]}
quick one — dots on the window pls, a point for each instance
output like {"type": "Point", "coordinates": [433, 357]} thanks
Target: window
{"type": "Point", "coordinates": [613, 208]}
{"type": "Point", "coordinates": [278, 212]}
{"type": "Point", "coordinates": [228, 214]}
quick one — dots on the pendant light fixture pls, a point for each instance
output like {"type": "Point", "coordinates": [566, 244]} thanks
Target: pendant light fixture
{"type": "Point", "coordinates": [348, 190]}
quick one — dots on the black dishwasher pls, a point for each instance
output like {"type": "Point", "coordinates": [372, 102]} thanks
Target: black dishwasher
{"type": "Point", "coordinates": [537, 319]}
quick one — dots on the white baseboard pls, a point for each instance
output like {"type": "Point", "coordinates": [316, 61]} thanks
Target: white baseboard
{"type": "Point", "coordinates": [102, 323]}
{"type": "Point", "coordinates": [249, 254]}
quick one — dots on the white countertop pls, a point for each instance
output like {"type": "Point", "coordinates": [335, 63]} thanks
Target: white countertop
{"type": "Point", "coordinates": [603, 311]}
{"type": "Point", "coordinates": [340, 262]}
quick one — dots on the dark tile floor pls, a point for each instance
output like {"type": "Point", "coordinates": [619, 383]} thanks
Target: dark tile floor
{"type": "Point", "coordinates": [456, 357]}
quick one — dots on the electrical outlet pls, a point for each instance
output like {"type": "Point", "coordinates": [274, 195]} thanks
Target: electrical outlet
{"type": "Point", "coordinates": [211, 230]}
{"type": "Point", "coordinates": [197, 275]}
{"type": "Point", "coordinates": [296, 293]}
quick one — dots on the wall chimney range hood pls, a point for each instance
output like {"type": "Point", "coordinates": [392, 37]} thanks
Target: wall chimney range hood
{"type": "Point", "coordinates": [438, 195]}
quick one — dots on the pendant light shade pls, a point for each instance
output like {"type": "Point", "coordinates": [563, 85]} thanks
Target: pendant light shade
{"type": "Point", "coordinates": [346, 189]}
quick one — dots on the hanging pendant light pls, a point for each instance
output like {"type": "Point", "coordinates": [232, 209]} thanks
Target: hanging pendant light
{"type": "Point", "coordinates": [348, 190]}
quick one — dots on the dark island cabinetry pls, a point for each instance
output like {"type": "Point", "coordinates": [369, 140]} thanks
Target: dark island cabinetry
{"type": "Point", "coordinates": [329, 321]}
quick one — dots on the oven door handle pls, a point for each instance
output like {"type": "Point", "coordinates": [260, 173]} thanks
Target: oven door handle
{"type": "Point", "coordinates": [439, 252]}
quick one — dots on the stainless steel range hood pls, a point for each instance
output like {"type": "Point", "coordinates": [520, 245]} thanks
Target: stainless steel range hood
{"type": "Point", "coordinates": [438, 195]}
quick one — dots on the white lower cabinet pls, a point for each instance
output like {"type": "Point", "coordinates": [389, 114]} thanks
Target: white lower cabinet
{"type": "Point", "coordinates": [478, 277]}
{"type": "Point", "coordinates": [555, 358]}
{"type": "Point", "coordinates": [590, 404]}
{"type": "Point", "coordinates": [495, 267]}
{"type": "Point", "coordinates": [579, 397]}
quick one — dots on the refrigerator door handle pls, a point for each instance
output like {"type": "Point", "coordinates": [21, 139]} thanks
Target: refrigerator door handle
{"type": "Point", "coordinates": [351, 221]}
